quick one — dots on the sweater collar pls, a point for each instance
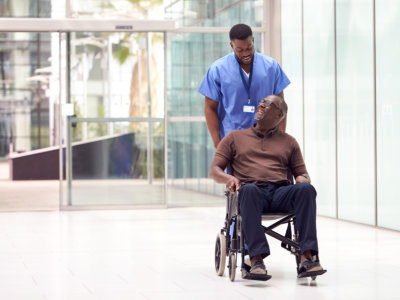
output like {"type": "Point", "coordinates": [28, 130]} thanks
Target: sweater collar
{"type": "Point", "coordinates": [260, 134]}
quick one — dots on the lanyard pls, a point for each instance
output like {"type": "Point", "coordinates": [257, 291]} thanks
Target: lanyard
{"type": "Point", "coordinates": [246, 85]}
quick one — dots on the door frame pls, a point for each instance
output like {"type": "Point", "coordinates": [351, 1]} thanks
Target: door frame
{"type": "Point", "coordinates": [62, 26]}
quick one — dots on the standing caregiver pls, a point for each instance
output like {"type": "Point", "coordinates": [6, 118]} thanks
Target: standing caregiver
{"type": "Point", "coordinates": [236, 82]}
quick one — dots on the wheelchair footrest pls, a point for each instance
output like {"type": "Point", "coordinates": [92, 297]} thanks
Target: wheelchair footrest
{"type": "Point", "coordinates": [249, 276]}
{"type": "Point", "coordinates": [311, 274]}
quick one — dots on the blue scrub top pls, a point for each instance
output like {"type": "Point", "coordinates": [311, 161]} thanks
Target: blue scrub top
{"type": "Point", "coordinates": [223, 84]}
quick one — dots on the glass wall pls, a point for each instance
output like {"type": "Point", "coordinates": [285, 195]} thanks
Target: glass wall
{"type": "Point", "coordinates": [109, 74]}
{"type": "Point", "coordinates": [26, 8]}
{"type": "Point", "coordinates": [190, 148]}
{"type": "Point", "coordinates": [224, 13]}
{"type": "Point", "coordinates": [319, 101]}
{"type": "Point", "coordinates": [388, 110]}
{"type": "Point", "coordinates": [25, 71]}
{"type": "Point", "coordinates": [25, 106]}
{"type": "Point", "coordinates": [355, 97]}
{"type": "Point", "coordinates": [309, 61]}
{"type": "Point", "coordinates": [350, 103]}
{"type": "Point", "coordinates": [189, 55]}
{"type": "Point", "coordinates": [27, 121]}
{"type": "Point", "coordinates": [118, 169]}
{"type": "Point", "coordinates": [292, 60]}
{"type": "Point", "coordinates": [27, 118]}
{"type": "Point", "coordinates": [117, 9]}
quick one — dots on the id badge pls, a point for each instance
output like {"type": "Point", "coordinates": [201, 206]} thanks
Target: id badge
{"type": "Point", "coordinates": [248, 108]}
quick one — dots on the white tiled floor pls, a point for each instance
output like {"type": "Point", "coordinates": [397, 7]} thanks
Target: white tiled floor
{"type": "Point", "coordinates": [169, 254]}
{"type": "Point", "coordinates": [28, 195]}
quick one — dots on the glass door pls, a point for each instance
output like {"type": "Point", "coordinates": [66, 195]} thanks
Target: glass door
{"type": "Point", "coordinates": [115, 126]}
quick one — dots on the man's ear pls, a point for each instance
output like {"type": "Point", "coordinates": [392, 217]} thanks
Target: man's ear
{"type": "Point", "coordinates": [281, 117]}
{"type": "Point", "coordinates": [231, 44]}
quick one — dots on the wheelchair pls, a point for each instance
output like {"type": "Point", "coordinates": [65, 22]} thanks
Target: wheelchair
{"type": "Point", "coordinates": [230, 241]}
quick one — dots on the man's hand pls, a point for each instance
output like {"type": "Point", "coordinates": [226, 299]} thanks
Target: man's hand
{"type": "Point", "coordinates": [233, 184]}
{"type": "Point", "coordinates": [303, 178]}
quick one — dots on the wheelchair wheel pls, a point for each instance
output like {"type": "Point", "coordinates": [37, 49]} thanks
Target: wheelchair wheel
{"type": "Point", "coordinates": [232, 265]}
{"type": "Point", "coordinates": [220, 254]}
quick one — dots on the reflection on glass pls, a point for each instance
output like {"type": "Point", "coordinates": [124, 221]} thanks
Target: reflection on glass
{"type": "Point", "coordinates": [117, 9]}
{"type": "Point", "coordinates": [114, 76]}
{"type": "Point", "coordinates": [190, 149]}
{"type": "Point", "coordinates": [110, 78]}
{"type": "Point", "coordinates": [27, 8]}
{"type": "Point", "coordinates": [189, 146]}
{"type": "Point", "coordinates": [388, 111]}
{"type": "Point", "coordinates": [118, 169]}
{"type": "Point", "coordinates": [319, 101]}
{"type": "Point", "coordinates": [214, 13]}
{"type": "Point", "coordinates": [355, 110]}
{"type": "Point", "coordinates": [26, 116]}
{"type": "Point", "coordinates": [189, 55]}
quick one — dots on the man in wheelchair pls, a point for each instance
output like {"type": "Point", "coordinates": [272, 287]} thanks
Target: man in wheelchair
{"type": "Point", "coordinates": [261, 158]}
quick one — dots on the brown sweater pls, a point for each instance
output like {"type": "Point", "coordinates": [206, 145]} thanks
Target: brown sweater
{"type": "Point", "coordinates": [262, 160]}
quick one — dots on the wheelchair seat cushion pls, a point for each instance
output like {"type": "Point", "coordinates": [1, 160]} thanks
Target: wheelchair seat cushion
{"type": "Point", "coordinates": [273, 216]}
{"type": "Point", "coordinates": [258, 268]}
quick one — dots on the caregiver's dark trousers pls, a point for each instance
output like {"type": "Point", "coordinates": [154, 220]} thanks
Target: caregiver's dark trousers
{"type": "Point", "coordinates": [297, 198]}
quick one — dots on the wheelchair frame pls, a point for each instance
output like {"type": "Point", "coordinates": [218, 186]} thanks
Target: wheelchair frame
{"type": "Point", "coordinates": [230, 240]}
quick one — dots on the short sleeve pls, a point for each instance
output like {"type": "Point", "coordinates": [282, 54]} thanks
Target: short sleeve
{"type": "Point", "coordinates": [211, 84]}
{"type": "Point", "coordinates": [281, 80]}
{"type": "Point", "coordinates": [226, 147]}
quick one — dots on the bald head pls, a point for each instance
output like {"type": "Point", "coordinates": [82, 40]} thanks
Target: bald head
{"type": "Point", "coordinates": [280, 102]}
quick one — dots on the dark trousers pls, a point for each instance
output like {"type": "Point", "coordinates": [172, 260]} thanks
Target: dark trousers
{"type": "Point", "coordinates": [296, 198]}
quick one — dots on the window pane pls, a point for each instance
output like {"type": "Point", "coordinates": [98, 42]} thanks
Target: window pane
{"type": "Point", "coordinates": [190, 152]}
{"type": "Point", "coordinates": [109, 75]}
{"type": "Point", "coordinates": [26, 108]}
{"type": "Point", "coordinates": [117, 169]}
{"type": "Point", "coordinates": [292, 65]}
{"type": "Point", "coordinates": [117, 9]}
{"type": "Point", "coordinates": [190, 149]}
{"type": "Point", "coordinates": [27, 8]}
{"type": "Point", "coordinates": [214, 13]}
{"type": "Point", "coordinates": [388, 110]}
{"type": "Point", "coordinates": [319, 101]}
{"type": "Point", "coordinates": [355, 110]}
